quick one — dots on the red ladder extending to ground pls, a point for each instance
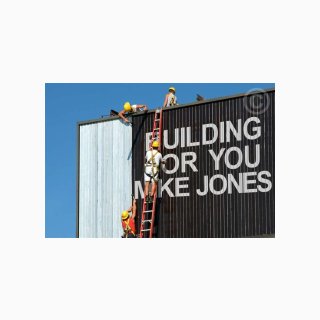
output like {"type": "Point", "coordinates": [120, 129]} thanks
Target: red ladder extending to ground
{"type": "Point", "coordinates": [149, 209]}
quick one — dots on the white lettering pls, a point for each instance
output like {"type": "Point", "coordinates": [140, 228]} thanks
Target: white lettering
{"type": "Point", "coordinates": [181, 186]}
{"type": "Point", "coordinates": [182, 144]}
{"type": "Point", "coordinates": [205, 185]}
{"type": "Point", "coordinates": [138, 189]}
{"type": "Point", "coordinates": [166, 187]}
{"type": "Point", "coordinates": [216, 158]}
{"type": "Point", "coordinates": [176, 139]}
{"type": "Point", "coordinates": [176, 163]}
{"type": "Point", "coordinates": [232, 181]}
{"type": "Point", "coordinates": [247, 182]}
{"type": "Point", "coordinates": [254, 129]}
{"type": "Point", "coordinates": [189, 162]}
{"type": "Point", "coordinates": [221, 132]}
{"type": "Point", "coordinates": [189, 143]}
{"type": "Point", "coordinates": [224, 184]}
{"type": "Point", "coordinates": [257, 157]}
{"type": "Point", "coordinates": [266, 181]}
{"type": "Point", "coordinates": [204, 133]}
{"type": "Point", "coordinates": [236, 133]}
{"type": "Point", "coordinates": [227, 160]}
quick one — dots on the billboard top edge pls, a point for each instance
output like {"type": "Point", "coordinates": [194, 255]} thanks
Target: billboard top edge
{"type": "Point", "coordinates": [86, 122]}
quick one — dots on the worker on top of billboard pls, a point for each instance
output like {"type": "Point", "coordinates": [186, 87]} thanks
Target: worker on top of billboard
{"type": "Point", "coordinates": [153, 160]}
{"type": "Point", "coordinates": [130, 109]}
{"type": "Point", "coordinates": [128, 222]}
{"type": "Point", "coordinates": [170, 99]}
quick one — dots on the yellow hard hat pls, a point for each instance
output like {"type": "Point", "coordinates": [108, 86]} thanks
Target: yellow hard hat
{"type": "Point", "coordinates": [155, 144]}
{"type": "Point", "coordinates": [172, 89]}
{"type": "Point", "coordinates": [125, 215]}
{"type": "Point", "coordinates": [127, 106]}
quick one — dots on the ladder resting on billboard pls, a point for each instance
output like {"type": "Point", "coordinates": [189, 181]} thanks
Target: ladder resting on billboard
{"type": "Point", "coordinates": [149, 208]}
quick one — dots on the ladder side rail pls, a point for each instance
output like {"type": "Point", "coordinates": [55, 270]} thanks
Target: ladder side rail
{"type": "Point", "coordinates": [142, 217]}
{"type": "Point", "coordinates": [154, 204]}
{"type": "Point", "coordinates": [153, 213]}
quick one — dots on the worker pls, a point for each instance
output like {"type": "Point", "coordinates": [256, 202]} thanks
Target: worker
{"type": "Point", "coordinates": [153, 160]}
{"type": "Point", "coordinates": [170, 99]}
{"type": "Point", "coordinates": [128, 222]}
{"type": "Point", "coordinates": [130, 109]}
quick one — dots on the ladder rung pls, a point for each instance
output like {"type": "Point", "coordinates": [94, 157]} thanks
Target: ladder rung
{"type": "Point", "coordinates": [148, 211]}
{"type": "Point", "coordinates": [157, 120]}
{"type": "Point", "coordinates": [145, 230]}
{"type": "Point", "coordinates": [146, 221]}
{"type": "Point", "coordinates": [156, 129]}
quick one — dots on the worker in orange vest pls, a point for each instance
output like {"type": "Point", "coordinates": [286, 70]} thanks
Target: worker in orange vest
{"type": "Point", "coordinates": [130, 109]}
{"type": "Point", "coordinates": [170, 99]}
{"type": "Point", "coordinates": [128, 222]}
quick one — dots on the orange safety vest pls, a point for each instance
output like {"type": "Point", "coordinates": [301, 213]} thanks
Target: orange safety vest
{"type": "Point", "coordinates": [129, 226]}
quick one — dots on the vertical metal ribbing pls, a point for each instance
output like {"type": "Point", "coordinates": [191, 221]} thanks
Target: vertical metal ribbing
{"type": "Point", "coordinates": [232, 213]}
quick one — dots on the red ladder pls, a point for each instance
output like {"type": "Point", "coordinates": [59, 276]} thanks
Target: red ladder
{"type": "Point", "coordinates": [147, 222]}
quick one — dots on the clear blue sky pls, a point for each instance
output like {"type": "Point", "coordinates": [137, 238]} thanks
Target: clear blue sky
{"type": "Point", "coordinates": [66, 104]}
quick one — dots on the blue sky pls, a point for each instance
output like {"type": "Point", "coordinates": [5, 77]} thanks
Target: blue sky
{"type": "Point", "coordinates": [66, 104]}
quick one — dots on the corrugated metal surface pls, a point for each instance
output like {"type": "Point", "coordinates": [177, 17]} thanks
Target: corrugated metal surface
{"type": "Point", "coordinates": [239, 201]}
{"type": "Point", "coordinates": [104, 175]}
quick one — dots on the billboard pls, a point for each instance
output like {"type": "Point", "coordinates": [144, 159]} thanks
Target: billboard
{"type": "Point", "coordinates": [218, 180]}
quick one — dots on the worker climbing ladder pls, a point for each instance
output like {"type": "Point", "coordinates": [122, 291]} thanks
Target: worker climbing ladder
{"type": "Point", "coordinates": [149, 208]}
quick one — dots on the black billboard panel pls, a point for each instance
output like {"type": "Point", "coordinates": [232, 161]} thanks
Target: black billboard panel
{"type": "Point", "coordinates": [218, 180]}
